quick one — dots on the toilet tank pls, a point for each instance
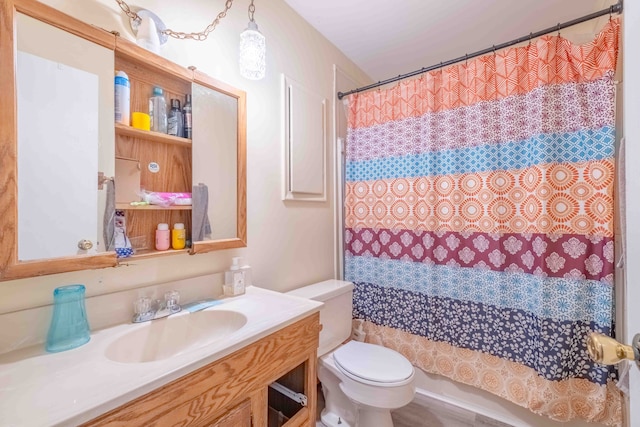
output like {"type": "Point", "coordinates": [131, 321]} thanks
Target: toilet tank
{"type": "Point", "coordinates": [335, 315]}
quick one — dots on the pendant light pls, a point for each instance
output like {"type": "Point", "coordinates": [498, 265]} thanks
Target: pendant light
{"type": "Point", "coordinates": [252, 50]}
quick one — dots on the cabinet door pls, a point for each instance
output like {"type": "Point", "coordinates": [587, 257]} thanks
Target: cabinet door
{"type": "Point", "coordinates": [57, 134]}
{"type": "Point", "coordinates": [219, 162]}
{"type": "Point", "coordinates": [239, 416]}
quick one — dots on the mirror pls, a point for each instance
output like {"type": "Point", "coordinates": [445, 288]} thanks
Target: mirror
{"type": "Point", "coordinates": [219, 158]}
{"type": "Point", "coordinates": [65, 136]}
{"type": "Point", "coordinates": [215, 151]}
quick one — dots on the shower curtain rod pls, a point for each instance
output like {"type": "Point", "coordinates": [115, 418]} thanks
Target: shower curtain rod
{"type": "Point", "coordinates": [615, 8]}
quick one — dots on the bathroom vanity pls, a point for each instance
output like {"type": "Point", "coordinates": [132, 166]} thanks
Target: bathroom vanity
{"type": "Point", "coordinates": [231, 391]}
{"type": "Point", "coordinates": [145, 374]}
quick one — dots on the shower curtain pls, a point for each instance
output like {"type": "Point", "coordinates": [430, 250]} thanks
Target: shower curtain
{"type": "Point", "coordinates": [479, 222]}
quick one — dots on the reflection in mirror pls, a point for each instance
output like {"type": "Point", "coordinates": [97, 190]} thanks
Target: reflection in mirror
{"type": "Point", "coordinates": [65, 136]}
{"type": "Point", "coordinates": [215, 157]}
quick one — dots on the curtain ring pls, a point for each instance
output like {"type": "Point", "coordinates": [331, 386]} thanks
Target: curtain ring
{"type": "Point", "coordinates": [466, 59]}
{"type": "Point", "coordinates": [610, 13]}
{"type": "Point", "coordinates": [530, 37]}
{"type": "Point", "coordinates": [558, 29]}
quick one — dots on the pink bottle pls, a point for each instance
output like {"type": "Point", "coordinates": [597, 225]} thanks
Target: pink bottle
{"type": "Point", "coordinates": [163, 237]}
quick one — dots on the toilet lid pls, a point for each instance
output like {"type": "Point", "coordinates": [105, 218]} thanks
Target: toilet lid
{"type": "Point", "coordinates": [372, 362]}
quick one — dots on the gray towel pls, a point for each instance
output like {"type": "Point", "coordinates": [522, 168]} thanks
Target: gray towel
{"type": "Point", "coordinates": [200, 212]}
{"type": "Point", "coordinates": [108, 222]}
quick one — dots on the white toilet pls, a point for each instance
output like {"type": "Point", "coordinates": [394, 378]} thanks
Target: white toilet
{"type": "Point", "coordinates": [361, 382]}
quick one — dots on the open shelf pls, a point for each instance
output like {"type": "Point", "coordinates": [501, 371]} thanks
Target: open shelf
{"type": "Point", "coordinates": [150, 253]}
{"type": "Point", "coordinates": [128, 207]}
{"type": "Point", "coordinates": [124, 130]}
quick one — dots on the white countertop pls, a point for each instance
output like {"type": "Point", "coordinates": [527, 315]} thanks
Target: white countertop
{"type": "Point", "coordinates": [71, 387]}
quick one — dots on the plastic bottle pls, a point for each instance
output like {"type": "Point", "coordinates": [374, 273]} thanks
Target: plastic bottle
{"type": "Point", "coordinates": [158, 111]}
{"type": "Point", "coordinates": [186, 112]}
{"type": "Point", "coordinates": [175, 122]}
{"type": "Point", "coordinates": [122, 98]}
{"type": "Point", "coordinates": [162, 237]}
{"type": "Point", "coordinates": [178, 236]}
{"type": "Point", "coordinates": [234, 279]}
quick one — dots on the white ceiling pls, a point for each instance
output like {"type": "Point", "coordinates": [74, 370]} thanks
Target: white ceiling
{"type": "Point", "coordinates": [386, 38]}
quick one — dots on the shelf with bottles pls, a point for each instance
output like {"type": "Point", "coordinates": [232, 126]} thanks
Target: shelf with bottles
{"type": "Point", "coordinates": [130, 131]}
{"type": "Point", "coordinates": [143, 224]}
{"type": "Point", "coordinates": [149, 81]}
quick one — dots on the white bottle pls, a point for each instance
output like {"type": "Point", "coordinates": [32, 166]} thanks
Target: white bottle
{"type": "Point", "coordinates": [122, 98]}
{"type": "Point", "coordinates": [158, 111]}
{"type": "Point", "coordinates": [234, 279]}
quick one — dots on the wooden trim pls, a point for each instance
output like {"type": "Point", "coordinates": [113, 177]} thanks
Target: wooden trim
{"type": "Point", "coordinates": [242, 167]}
{"type": "Point", "coordinates": [238, 416]}
{"type": "Point", "coordinates": [301, 418]}
{"type": "Point", "coordinates": [152, 254]}
{"type": "Point", "coordinates": [10, 267]}
{"type": "Point", "coordinates": [217, 85]}
{"type": "Point", "coordinates": [24, 269]}
{"type": "Point", "coordinates": [311, 380]}
{"type": "Point", "coordinates": [213, 389]}
{"type": "Point", "coordinates": [136, 53]}
{"type": "Point", "coordinates": [259, 407]}
{"type": "Point", "coordinates": [241, 97]}
{"type": "Point", "coordinates": [61, 20]}
{"type": "Point", "coordinates": [8, 140]}
{"type": "Point", "coordinates": [215, 245]}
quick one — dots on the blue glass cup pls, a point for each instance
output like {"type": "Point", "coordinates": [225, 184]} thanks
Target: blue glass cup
{"type": "Point", "coordinates": [69, 326]}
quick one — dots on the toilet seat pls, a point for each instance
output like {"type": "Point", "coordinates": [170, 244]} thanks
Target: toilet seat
{"type": "Point", "coordinates": [373, 364]}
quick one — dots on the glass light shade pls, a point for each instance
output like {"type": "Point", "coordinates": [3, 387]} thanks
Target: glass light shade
{"type": "Point", "coordinates": [252, 53]}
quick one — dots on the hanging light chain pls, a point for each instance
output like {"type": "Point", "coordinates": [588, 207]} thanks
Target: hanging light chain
{"type": "Point", "coordinates": [252, 9]}
{"type": "Point", "coordinates": [201, 36]}
{"type": "Point", "coordinates": [125, 8]}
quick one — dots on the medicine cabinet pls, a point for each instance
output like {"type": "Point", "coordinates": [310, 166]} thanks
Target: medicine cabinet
{"type": "Point", "coordinates": [60, 148]}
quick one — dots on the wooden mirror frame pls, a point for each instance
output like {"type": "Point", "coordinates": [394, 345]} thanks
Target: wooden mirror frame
{"type": "Point", "coordinates": [10, 267]}
{"type": "Point", "coordinates": [241, 191]}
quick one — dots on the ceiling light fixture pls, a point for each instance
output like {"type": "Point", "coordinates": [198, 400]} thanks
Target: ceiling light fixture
{"type": "Point", "coordinates": [252, 51]}
{"type": "Point", "coordinates": [151, 32]}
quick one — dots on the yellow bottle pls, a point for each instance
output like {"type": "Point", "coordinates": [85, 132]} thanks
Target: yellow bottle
{"type": "Point", "coordinates": [178, 236]}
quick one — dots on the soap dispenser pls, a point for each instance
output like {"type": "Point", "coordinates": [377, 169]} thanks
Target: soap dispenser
{"type": "Point", "coordinates": [234, 279]}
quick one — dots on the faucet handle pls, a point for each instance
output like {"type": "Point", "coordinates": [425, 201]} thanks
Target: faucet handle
{"type": "Point", "coordinates": [172, 300]}
{"type": "Point", "coordinates": [142, 305]}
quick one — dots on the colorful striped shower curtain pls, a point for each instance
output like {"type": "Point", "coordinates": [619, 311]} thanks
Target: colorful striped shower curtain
{"type": "Point", "coordinates": [479, 222]}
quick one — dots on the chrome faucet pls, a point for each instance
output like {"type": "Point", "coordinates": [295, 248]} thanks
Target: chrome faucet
{"type": "Point", "coordinates": [145, 310]}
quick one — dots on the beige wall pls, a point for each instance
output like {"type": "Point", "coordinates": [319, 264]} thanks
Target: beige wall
{"type": "Point", "coordinates": [289, 244]}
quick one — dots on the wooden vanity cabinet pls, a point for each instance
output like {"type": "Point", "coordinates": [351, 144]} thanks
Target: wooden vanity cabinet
{"type": "Point", "coordinates": [231, 391]}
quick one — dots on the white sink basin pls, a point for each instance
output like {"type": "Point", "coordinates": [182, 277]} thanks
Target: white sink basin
{"type": "Point", "coordinates": [163, 338]}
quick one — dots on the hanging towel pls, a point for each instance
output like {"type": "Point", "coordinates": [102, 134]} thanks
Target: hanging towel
{"type": "Point", "coordinates": [201, 224]}
{"type": "Point", "coordinates": [109, 216]}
